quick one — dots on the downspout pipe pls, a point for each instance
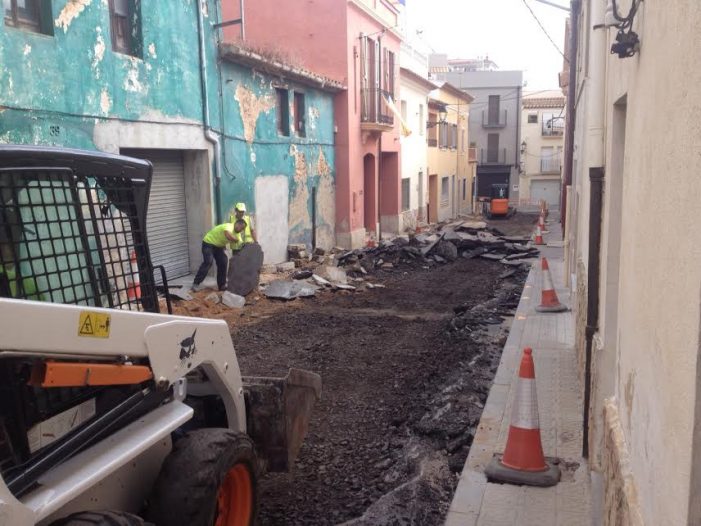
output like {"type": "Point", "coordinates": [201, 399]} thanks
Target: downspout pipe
{"type": "Point", "coordinates": [596, 106]}
{"type": "Point", "coordinates": [571, 115]}
{"type": "Point", "coordinates": [517, 148]}
{"type": "Point", "coordinates": [596, 181]}
{"type": "Point", "coordinates": [209, 135]}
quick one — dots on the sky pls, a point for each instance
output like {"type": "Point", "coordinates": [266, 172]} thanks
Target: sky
{"type": "Point", "coordinates": [504, 30]}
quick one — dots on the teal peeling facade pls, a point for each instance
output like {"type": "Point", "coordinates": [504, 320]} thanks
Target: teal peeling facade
{"type": "Point", "coordinates": [71, 89]}
{"type": "Point", "coordinates": [73, 79]}
{"type": "Point", "coordinates": [250, 100]}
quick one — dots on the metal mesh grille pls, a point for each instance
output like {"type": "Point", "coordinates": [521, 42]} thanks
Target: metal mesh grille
{"type": "Point", "coordinates": [67, 237]}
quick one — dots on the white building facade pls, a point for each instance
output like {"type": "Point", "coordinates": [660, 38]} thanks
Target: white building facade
{"type": "Point", "coordinates": [542, 146]}
{"type": "Point", "coordinates": [414, 92]}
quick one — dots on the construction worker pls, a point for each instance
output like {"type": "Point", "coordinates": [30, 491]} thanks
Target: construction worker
{"type": "Point", "coordinates": [213, 246]}
{"type": "Point", "coordinates": [249, 235]}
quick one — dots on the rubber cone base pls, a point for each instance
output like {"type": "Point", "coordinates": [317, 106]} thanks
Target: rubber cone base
{"type": "Point", "coordinates": [498, 472]}
{"type": "Point", "coordinates": [552, 308]}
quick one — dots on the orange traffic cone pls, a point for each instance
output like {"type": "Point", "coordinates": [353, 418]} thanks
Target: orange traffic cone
{"type": "Point", "coordinates": [539, 236]}
{"type": "Point", "coordinates": [541, 222]}
{"type": "Point", "coordinates": [548, 298]}
{"type": "Point", "coordinates": [133, 282]}
{"type": "Point", "coordinates": [523, 461]}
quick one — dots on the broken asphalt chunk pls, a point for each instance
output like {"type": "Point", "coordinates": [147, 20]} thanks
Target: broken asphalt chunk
{"type": "Point", "coordinates": [493, 257]}
{"type": "Point", "coordinates": [288, 290]}
{"type": "Point", "coordinates": [302, 274]}
{"type": "Point", "coordinates": [447, 250]}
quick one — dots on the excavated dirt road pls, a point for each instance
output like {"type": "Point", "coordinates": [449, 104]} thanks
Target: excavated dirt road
{"type": "Point", "coordinates": [403, 389]}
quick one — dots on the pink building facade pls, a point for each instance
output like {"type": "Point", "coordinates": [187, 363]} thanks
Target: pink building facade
{"type": "Point", "coordinates": [354, 42]}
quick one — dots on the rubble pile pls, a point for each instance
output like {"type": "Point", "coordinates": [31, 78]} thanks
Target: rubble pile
{"type": "Point", "coordinates": [307, 273]}
{"type": "Point", "coordinates": [467, 239]}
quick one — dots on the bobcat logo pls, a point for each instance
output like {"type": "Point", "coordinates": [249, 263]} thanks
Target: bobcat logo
{"type": "Point", "coordinates": [188, 348]}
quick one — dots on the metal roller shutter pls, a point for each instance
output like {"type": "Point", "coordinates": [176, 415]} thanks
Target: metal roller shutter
{"type": "Point", "coordinates": [548, 189]}
{"type": "Point", "coordinates": [166, 222]}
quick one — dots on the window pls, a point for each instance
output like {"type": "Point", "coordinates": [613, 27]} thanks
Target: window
{"type": "Point", "coordinates": [125, 26]}
{"type": "Point", "coordinates": [388, 73]}
{"type": "Point", "coordinates": [403, 109]}
{"type": "Point", "coordinates": [283, 111]}
{"type": "Point", "coordinates": [553, 125]}
{"type": "Point", "coordinates": [406, 189]}
{"type": "Point", "coordinates": [462, 142]}
{"type": "Point", "coordinates": [32, 15]}
{"type": "Point", "coordinates": [445, 191]}
{"type": "Point", "coordinates": [300, 115]}
{"type": "Point", "coordinates": [443, 135]}
{"type": "Point", "coordinates": [549, 160]}
{"type": "Point", "coordinates": [432, 126]}
{"type": "Point", "coordinates": [493, 148]}
{"type": "Point", "coordinates": [453, 136]}
{"type": "Point", "coordinates": [493, 111]}
{"type": "Point", "coordinates": [532, 118]}
{"type": "Point", "coordinates": [421, 119]}
{"type": "Point", "coordinates": [464, 189]}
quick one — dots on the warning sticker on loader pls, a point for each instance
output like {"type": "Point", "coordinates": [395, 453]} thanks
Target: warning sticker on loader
{"type": "Point", "coordinates": [94, 324]}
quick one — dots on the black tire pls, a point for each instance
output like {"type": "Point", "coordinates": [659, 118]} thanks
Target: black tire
{"type": "Point", "coordinates": [187, 487]}
{"type": "Point", "coordinates": [100, 518]}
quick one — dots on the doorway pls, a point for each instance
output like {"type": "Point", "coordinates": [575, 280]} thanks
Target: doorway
{"type": "Point", "coordinates": [370, 193]}
{"type": "Point", "coordinates": [433, 198]}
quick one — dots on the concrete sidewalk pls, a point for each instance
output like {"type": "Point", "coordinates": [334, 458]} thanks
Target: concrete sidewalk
{"type": "Point", "coordinates": [477, 502]}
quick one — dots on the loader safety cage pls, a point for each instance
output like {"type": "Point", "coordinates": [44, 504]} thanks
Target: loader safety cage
{"type": "Point", "coordinates": [73, 228]}
{"type": "Point", "coordinates": [73, 231]}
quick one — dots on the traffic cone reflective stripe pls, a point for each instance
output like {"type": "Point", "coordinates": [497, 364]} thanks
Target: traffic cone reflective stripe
{"type": "Point", "coordinates": [541, 223]}
{"type": "Point", "coordinates": [549, 302]}
{"type": "Point", "coordinates": [133, 283]}
{"type": "Point", "coordinates": [523, 461]}
{"type": "Point", "coordinates": [539, 237]}
{"type": "Point", "coordinates": [524, 450]}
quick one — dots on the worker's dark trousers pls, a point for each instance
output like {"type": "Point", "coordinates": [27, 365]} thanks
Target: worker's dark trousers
{"type": "Point", "coordinates": [210, 252]}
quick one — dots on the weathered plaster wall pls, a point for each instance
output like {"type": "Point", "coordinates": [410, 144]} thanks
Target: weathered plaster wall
{"type": "Point", "coordinates": [298, 35]}
{"type": "Point", "coordinates": [655, 340]}
{"type": "Point", "coordinates": [331, 49]}
{"type": "Point", "coordinates": [254, 148]}
{"type": "Point", "coordinates": [73, 79]}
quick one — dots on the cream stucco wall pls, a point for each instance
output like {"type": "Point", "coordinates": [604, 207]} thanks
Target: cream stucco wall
{"type": "Point", "coordinates": [451, 163]}
{"type": "Point", "coordinates": [532, 136]}
{"type": "Point", "coordinates": [647, 344]}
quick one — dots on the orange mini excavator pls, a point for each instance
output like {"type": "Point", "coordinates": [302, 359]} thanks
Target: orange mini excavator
{"type": "Point", "coordinates": [499, 201]}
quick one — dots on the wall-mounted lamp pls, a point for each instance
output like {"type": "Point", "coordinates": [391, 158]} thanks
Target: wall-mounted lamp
{"type": "Point", "coordinates": [442, 116]}
{"type": "Point", "coordinates": [523, 147]}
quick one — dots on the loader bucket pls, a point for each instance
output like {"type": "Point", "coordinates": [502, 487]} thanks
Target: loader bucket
{"type": "Point", "coordinates": [278, 412]}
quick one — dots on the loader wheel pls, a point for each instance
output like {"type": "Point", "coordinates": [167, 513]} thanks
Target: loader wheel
{"type": "Point", "coordinates": [209, 479]}
{"type": "Point", "coordinates": [100, 518]}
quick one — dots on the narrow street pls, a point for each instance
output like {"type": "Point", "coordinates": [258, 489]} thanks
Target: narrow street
{"type": "Point", "coordinates": [402, 390]}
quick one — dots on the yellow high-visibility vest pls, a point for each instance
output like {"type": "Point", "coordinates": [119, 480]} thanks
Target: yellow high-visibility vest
{"type": "Point", "coordinates": [247, 235]}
